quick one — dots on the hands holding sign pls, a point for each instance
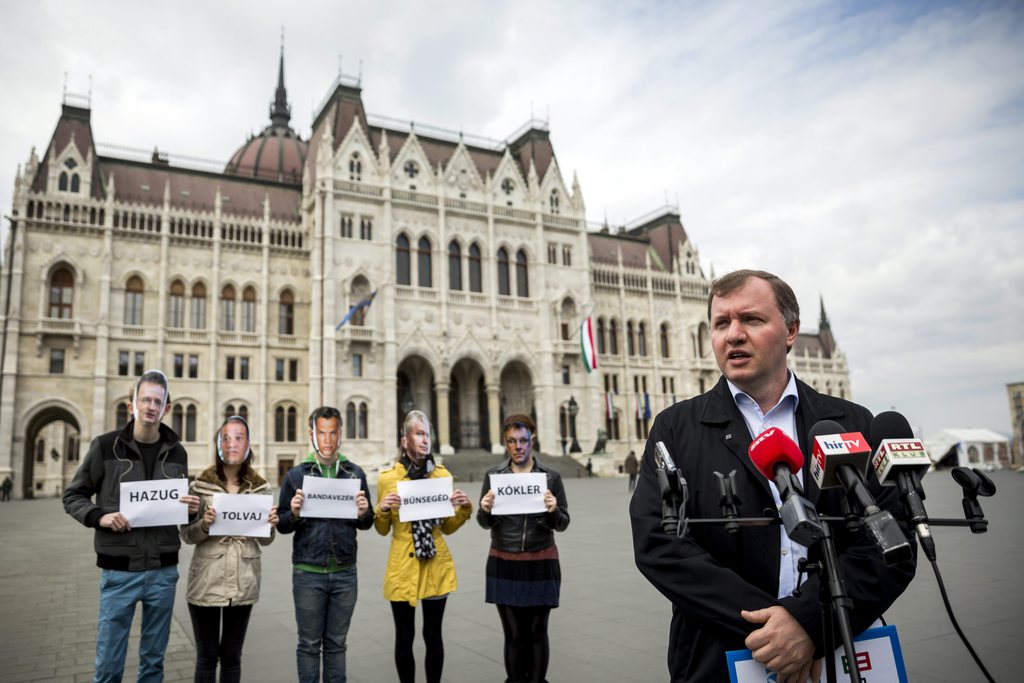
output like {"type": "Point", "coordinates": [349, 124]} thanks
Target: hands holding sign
{"type": "Point", "coordinates": [512, 494]}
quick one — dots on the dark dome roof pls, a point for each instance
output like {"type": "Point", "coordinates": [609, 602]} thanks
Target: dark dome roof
{"type": "Point", "coordinates": [277, 153]}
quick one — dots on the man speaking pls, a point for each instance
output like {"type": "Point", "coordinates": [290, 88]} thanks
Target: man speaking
{"type": "Point", "coordinates": [731, 591]}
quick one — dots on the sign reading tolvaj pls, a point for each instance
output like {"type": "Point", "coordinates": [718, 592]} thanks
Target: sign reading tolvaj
{"type": "Point", "coordinates": [425, 499]}
{"type": "Point", "coordinates": [519, 494]}
{"type": "Point", "coordinates": [154, 503]}
{"type": "Point", "coordinates": [329, 498]}
{"type": "Point", "coordinates": [241, 514]}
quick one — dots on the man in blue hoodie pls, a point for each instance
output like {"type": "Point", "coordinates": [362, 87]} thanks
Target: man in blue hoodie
{"type": "Point", "coordinates": [324, 580]}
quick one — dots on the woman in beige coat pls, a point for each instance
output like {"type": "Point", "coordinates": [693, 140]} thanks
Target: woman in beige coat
{"type": "Point", "coordinates": [224, 578]}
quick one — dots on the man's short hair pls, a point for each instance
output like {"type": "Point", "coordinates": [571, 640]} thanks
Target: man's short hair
{"type": "Point", "coordinates": [785, 299]}
{"type": "Point", "coordinates": [326, 413]}
{"type": "Point", "coordinates": [156, 377]}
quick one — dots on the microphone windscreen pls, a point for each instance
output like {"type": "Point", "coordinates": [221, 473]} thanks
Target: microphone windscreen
{"type": "Point", "coordinates": [890, 425]}
{"type": "Point", "coordinates": [772, 446]}
{"type": "Point", "coordinates": [824, 427]}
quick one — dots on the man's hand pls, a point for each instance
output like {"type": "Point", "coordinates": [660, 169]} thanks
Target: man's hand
{"type": "Point", "coordinates": [550, 502]}
{"type": "Point", "coordinates": [362, 504]}
{"type": "Point", "coordinates": [116, 522]}
{"type": "Point", "coordinates": [192, 502]}
{"type": "Point", "coordinates": [296, 503]}
{"type": "Point", "coordinates": [781, 644]}
{"type": "Point", "coordinates": [487, 502]}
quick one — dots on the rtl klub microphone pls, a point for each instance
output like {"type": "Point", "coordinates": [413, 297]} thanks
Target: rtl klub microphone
{"type": "Point", "coordinates": [901, 460]}
{"type": "Point", "coordinates": [840, 459]}
{"type": "Point", "coordinates": [777, 456]}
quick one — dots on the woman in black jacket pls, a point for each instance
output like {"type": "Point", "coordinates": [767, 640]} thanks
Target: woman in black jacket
{"type": "Point", "coordinates": [523, 575]}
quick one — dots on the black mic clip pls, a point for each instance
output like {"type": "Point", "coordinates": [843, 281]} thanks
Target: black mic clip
{"type": "Point", "coordinates": [674, 493]}
{"type": "Point", "coordinates": [728, 500]}
{"type": "Point", "coordinates": [974, 483]}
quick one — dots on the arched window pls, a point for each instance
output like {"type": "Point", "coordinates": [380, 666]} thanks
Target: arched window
{"type": "Point", "coordinates": [286, 313]}
{"type": "Point", "coordinates": [198, 319]}
{"type": "Point", "coordinates": [350, 420]}
{"type": "Point", "coordinates": [121, 416]}
{"type": "Point", "coordinates": [454, 266]}
{"type": "Point", "coordinates": [249, 310]}
{"type": "Point", "coordinates": [177, 419]}
{"type": "Point", "coordinates": [703, 341]}
{"type": "Point", "coordinates": [424, 278]}
{"type": "Point", "coordinates": [476, 281]}
{"type": "Point", "coordinates": [279, 423]}
{"type": "Point", "coordinates": [363, 419]}
{"type": "Point", "coordinates": [62, 182]}
{"type": "Point", "coordinates": [227, 308]}
{"type": "Point", "coordinates": [176, 305]}
{"type": "Point", "coordinates": [133, 292]}
{"type": "Point", "coordinates": [403, 269]}
{"type": "Point", "coordinates": [243, 412]}
{"type": "Point", "coordinates": [291, 424]}
{"type": "Point", "coordinates": [554, 201]}
{"type": "Point", "coordinates": [613, 337]}
{"type": "Point", "coordinates": [190, 423]}
{"type": "Point", "coordinates": [663, 339]}
{"type": "Point", "coordinates": [641, 338]}
{"type": "Point", "coordinates": [359, 292]}
{"type": "Point", "coordinates": [62, 292]}
{"type": "Point", "coordinates": [229, 410]}
{"type": "Point", "coordinates": [504, 287]}
{"type": "Point", "coordinates": [355, 167]}
{"type": "Point", "coordinates": [600, 335]}
{"type": "Point", "coordinates": [630, 340]}
{"type": "Point", "coordinates": [75, 183]}
{"type": "Point", "coordinates": [522, 279]}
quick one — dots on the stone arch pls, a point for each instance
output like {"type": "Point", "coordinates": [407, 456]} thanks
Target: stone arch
{"type": "Point", "coordinates": [467, 402]}
{"type": "Point", "coordinates": [415, 389]}
{"type": "Point", "coordinates": [34, 420]}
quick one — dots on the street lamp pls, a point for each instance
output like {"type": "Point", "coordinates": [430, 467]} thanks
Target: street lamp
{"type": "Point", "coordinates": [574, 409]}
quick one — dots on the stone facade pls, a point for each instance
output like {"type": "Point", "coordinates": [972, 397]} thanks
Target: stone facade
{"type": "Point", "coordinates": [474, 254]}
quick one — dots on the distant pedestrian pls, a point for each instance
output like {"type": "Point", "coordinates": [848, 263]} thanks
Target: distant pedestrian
{"type": "Point", "coordinates": [224, 579]}
{"type": "Point", "coordinates": [5, 489]}
{"type": "Point", "coordinates": [590, 468]}
{"type": "Point", "coordinates": [139, 565]}
{"type": "Point", "coordinates": [524, 577]}
{"type": "Point", "coordinates": [632, 469]}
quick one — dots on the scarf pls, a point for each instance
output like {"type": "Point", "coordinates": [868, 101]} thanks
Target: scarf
{"type": "Point", "coordinates": [422, 530]}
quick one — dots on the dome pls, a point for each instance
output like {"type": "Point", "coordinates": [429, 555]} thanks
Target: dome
{"type": "Point", "coordinates": [277, 153]}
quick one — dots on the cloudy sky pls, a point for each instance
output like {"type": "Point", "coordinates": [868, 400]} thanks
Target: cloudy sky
{"type": "Point", "coordinates": [870, 153]}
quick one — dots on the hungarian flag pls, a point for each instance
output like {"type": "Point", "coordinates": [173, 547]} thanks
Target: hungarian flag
{"type": "Point", "coordinates": [609, 405]}
{"type": "Point", "coordinates": [587, 349]}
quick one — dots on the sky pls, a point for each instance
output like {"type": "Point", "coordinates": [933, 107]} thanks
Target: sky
{"type": "Point", "coordinates": [870, 153]}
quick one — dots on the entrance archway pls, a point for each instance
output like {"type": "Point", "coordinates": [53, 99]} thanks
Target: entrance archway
{"type": "Point", "coordinates": [415, 391]}
{"type": "Point", "coordinates": [467, 400]}
{"type": "Point", "coordinates": [53, 444]}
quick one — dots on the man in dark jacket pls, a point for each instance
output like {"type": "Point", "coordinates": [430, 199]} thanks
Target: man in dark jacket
{"type": "Point", "coordinates": [734, 591]}
{"type": "Point", "coordinates": [139, 565]}
{"type": "Point", "coordinates": [324, 580]}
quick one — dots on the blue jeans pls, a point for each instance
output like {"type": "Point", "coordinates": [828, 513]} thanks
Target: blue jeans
{"type": "Point", "coordinates": [323, 612]}
{"type": "Point", "coordinates": [119, 592]}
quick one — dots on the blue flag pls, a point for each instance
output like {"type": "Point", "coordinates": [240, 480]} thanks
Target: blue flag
{"type": "Point", "coordinates": [364, 304]}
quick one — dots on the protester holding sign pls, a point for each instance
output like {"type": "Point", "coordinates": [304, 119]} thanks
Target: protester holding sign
{"type": "Point", "coordinates": [224, 579]}
{"type": "Point", "coordinates": [523, 573]}
{"type": "Point", "coordinates": [324, 579]}
{"type": "Point", "coordinates": [420, 566]}
{"type": "Point", "coordinates": [139, 564]}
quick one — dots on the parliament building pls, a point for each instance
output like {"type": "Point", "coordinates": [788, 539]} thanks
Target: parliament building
{"type": "Point", "coordinates": [471, 258]}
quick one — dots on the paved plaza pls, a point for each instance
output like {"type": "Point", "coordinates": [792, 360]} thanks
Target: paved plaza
{"type": "Point", "coordinates": [612, 626]}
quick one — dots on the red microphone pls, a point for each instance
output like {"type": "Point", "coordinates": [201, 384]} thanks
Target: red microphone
{"type": "Point", "coordinates": [776, 456]}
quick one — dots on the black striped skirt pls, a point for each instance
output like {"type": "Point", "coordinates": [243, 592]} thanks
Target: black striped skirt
{"type": "Point", "coordinates": [529, 579]}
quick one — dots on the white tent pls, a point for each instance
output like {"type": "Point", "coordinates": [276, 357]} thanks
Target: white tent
{"type": "Point", "coordinates": [982, 448]}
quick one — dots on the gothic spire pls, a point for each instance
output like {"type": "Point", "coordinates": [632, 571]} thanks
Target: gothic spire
{"type": "Point", "coordinates": [823, 323]}
{"type": "Point", "coordinates": [280, 112]}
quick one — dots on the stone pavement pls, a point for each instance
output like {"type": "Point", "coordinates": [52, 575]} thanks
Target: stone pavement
{"type": "Point", "coordinates": [612, 626]}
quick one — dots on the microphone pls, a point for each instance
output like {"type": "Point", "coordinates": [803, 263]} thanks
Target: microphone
{"type": "Point", "coordinates": [840, 459]}
{"type": "Point", "coordinates": [901, 460]}
{"type": "Point", "coordinates": [776, 456]}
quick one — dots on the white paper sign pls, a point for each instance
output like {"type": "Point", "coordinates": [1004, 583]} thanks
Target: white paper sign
{"type": "Point", "coordinates": [329, 498]}
{"type": "Point", "coordinates": [154, 503]}
{"type": "Point", "coordinates": [425, 499]}
{"type": "Point", "coordinates": [878, 654]}
{"type": "Point", "coordinates": [519, 494]}
{"type": "Point", "coordinates": [241, 514]}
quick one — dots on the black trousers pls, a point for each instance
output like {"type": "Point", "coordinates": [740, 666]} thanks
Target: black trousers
{"type": "Point", "coordinates": [219, 634]}
{"type": "Point", "coordinates": [405, 632]}
{"type": "Point", "coordinates": [526, 642]}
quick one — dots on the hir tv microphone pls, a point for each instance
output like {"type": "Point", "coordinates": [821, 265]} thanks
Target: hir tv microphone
{"type": "Point", "coordinates": [777, 456]}
{"type": "Point", "coordinates": [901, 460]}
{"type": "Point", "coordinates": [840, 459]}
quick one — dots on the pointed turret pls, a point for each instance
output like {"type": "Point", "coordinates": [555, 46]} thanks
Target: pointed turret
{"type": "Point", "coordinates": [828, 342]}
{"type": "Point", "coordinates": [280, 112]}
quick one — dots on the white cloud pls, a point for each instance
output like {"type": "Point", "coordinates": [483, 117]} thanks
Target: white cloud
{"type": "Point", "coordinates": [871, 154]}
